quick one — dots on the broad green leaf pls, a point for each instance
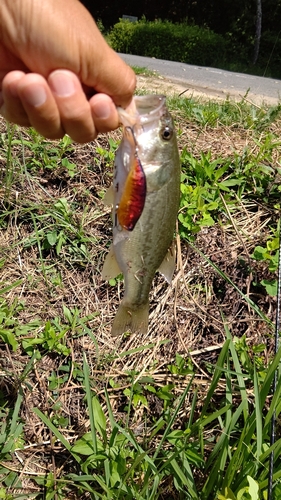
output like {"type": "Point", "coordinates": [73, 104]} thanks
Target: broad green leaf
{"type": "Point", "coordinates": [139, 398]}
{"type": "Point", "coordinates": [272, 244]}
{"type": "Point", "coordinates": [84, 445]}
{"type": "Point", "coordinates": [270, 286]}
{"type": "Point", "coordinates": [253, 488]}
{"type": "Point", "coordinates": [9, 337]}
{"type": "Point", "coordinates": [240, 494]}
{"type": "Point", "coordinates": [207, 220]}
{"type": "Point", "coordinates": [260, 253]}
{"type": "Point", "coordinates": [52, 238]}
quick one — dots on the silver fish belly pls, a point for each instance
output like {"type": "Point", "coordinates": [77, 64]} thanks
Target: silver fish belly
{"type": "Point", "coordinates": [148, 146]}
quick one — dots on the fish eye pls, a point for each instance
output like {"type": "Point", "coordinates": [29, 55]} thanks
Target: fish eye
{"type": "Point", "coordinates": [166, 133]}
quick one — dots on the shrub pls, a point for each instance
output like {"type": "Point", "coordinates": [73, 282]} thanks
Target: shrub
{"type": "Point", "coordinates": [270, 54]}
{"type": "Point", "coordinates": [121, 36]}
{"type": "Point", "coordinates": [165, 40]}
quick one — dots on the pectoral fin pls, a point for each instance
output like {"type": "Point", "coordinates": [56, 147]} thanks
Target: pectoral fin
{"type": "Point", "coordinates": [108, 198]}
{"type": "Point", "coordinates": [167, 267]}
{"type": "Point", "coordinates": [111, 267]}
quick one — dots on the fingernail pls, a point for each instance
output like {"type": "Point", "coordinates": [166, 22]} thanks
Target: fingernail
{"type": "Point", "coordinates": [34, 95]}
{"type": "Point", "coordinates": [62, 83]}
{"type": "Point", "coordinates": [102, 110]}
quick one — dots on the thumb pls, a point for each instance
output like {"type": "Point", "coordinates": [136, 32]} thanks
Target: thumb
{"type": "Point", "coordinates": [114, 77]}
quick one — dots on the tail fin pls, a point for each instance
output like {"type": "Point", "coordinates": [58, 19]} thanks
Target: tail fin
{"type": "Point", "coordinates": [128, 318]}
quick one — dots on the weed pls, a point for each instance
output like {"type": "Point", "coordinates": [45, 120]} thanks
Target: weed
{"type": "Point", "coordinates": [202, 182]}
{"type": "Point", "coordinates": [270, 255]}
{"type": "Point", "coordinates": [58, 229]}
{"type": "Point", "coordinates": [143, 71]}
{"type": "Point", "coordinates": [112, 461]}
{"type": "Point", "coordinates": [39, 153]}
{"type": "Point", "coordinates": [185, 412]}
{"type": "Point", "coordinates": [106, 156]}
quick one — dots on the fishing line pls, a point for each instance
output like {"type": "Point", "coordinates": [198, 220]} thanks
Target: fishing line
{"type": "Point", "coordinates": [274, 384]}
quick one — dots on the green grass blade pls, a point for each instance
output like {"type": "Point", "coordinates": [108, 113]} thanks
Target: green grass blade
{"type": "Point", "coordinates": [214, 416]}
{"type": "Point", "coordinates": [192, 409]}
{"type": "Point", "coordinates": [216, 377]}
{"type": "Point", "coordinates": [276, 477]}
{"type": "Point", "coordinates": [275, 405]}
{"type": "Point", "coordinates": [162, 440]}
{"type": "Point", "coordinates": [14, 421]}
{"type": "Point", "coordinates": [103, 485]}
{"type": "Point", "coordinates": [141, 349]}
{"type": "Point", "coordinates": [177, 470]}
{"type": "Point", "coordinates": [110, 413]}
{"type": "Point", "coordinates": [89, 402]}
{"type": "Point", "coordinates": [161, 422]}
{"type": "Point", "coordinates": [57, 433]}
{"type": "Point", "coordinates": [266, 386]}
{"type": "Point", "coordinates": [152, 492]}
{"type": "Point", "coordinates": [184, 467]}
{"type": "Point", "coordinates": [7, 288]}
{"type": "Point", "coordinates": [238, 372]}
{"type": "Point", "coordinates": [167, 430]}
{"type": "Point", "coordinates": [258, 415]}
{"type": "Point", "coordinates": [128, 435]}
{"type": "Point", "coordinates": [235, 462]}
{"type": "Point", "coordinates": [225, 435]}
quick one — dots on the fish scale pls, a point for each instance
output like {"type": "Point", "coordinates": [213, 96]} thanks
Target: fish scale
{"type": "Point", "coordinates": [139, 253]}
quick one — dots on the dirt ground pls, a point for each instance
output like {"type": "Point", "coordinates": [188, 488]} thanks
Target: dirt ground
{"type": "Point", "coordinates": [169, 86]}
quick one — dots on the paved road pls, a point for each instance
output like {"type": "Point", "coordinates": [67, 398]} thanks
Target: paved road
{"type": "Point", "coordinates": [212, 80]}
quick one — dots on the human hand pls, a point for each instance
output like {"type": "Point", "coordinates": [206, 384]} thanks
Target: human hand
{"type": "Point", "coordinates": [52, 60]}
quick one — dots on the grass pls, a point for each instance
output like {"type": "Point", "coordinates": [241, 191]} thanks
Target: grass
{"type": "Point", "coordinates": [143, 71]}
{"type": "Point", "coordinates": [185, 411]}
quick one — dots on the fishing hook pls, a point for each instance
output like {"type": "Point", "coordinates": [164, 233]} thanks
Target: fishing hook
{"type": "Point", "coordinates": [131, 129]}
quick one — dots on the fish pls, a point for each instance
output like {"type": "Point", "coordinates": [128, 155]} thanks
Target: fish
{"type": "Point", "coordinates": [145, 197]}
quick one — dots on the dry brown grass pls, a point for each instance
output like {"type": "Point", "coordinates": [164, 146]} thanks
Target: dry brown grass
{"type": "Point", "coordinates": [185, 317]}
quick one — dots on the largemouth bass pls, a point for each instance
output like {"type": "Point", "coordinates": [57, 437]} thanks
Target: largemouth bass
{"type": "Point", "coordinates": [145, 198]}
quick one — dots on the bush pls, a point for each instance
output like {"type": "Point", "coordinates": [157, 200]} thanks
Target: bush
{"type": "Point", "coordinates": [270, 54]}
{"type": "Point", "coordinates": [120, 37]}
{"type": "Point", "coordinates": [165, 40]}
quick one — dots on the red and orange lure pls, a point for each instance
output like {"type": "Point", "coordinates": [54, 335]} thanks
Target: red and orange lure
{"type": "Point", "coordinates": [132, 201]}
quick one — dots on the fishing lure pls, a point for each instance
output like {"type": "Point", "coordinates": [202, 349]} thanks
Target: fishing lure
{"type": "Point", "coordinates": [133, 197]}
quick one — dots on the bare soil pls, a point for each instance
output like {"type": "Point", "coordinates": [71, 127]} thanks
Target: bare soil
{"type": "Point", "coordinates": [169, 86]}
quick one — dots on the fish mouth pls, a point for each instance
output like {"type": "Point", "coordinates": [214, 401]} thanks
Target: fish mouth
{"type": "Point", "coordinates": [144, 108]}
{"type": "Point", "coordinates": [148, 106]}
